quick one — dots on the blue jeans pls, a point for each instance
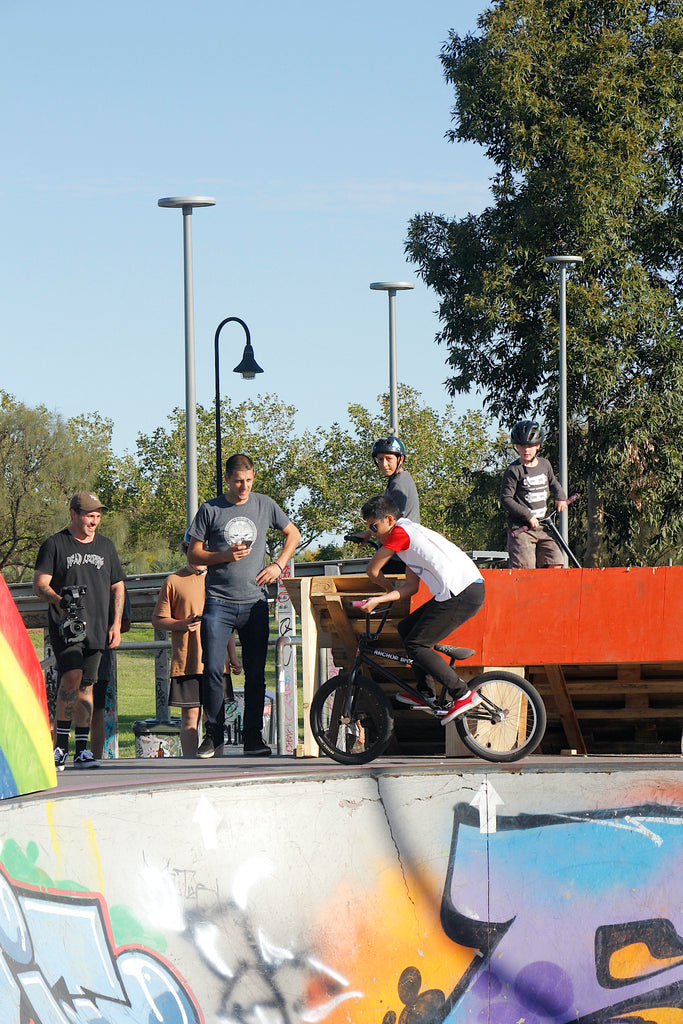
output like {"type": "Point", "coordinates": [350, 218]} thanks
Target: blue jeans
{"type": "Point", "coordinates": [250, 621]}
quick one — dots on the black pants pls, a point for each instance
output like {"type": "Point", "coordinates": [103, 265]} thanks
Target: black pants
{"type": "Point", "coordinates": [429, 624]}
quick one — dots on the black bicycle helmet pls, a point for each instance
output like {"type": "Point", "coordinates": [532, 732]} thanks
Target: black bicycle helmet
{"type": "Point", "coordinates": [389, 446]}
{"type": "Point", "coordinates": [527, 432]}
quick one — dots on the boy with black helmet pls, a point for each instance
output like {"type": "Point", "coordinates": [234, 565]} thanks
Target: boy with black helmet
{"type": "Point", "coordinates": [526, 486]}
{"type": "Point", "coordinates": [389, 454]}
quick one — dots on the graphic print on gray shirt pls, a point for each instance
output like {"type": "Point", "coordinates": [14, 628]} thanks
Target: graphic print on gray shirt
{"type": "Point", "coordinates": [223, 524]}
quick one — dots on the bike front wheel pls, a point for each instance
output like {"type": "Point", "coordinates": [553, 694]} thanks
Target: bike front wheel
{"type": "Point", "coordinates": [510, 721]}
{"type": "Point", "coordinates": [351, 720]}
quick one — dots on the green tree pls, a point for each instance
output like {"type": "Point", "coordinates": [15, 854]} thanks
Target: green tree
{"type": "Point", "coordinates": [449, 457]}
{"type": "Point", "coordinates": [320, 478]}
{"type": "Point", "coordinates": [262, 428]}
{"type": "Point", "coordinates": [44, 462]}
{"type": "Point", "coordinates": [579, 104]}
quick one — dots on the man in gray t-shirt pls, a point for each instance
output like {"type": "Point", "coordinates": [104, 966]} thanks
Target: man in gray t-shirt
{"type": "Point", "coordinates": [229, 537]}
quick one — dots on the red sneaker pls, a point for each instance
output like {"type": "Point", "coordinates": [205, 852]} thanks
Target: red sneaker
{"type": "Point", "coordinates": [463, 704]}
{"type": "Point", "coordinates": [415, 702]}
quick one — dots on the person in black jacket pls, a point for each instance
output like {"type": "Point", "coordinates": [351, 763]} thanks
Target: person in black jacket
{"type": "Point", "coordinates": [525, 490]}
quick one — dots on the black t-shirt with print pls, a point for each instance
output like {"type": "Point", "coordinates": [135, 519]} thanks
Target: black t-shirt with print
{"type": "Point", "coordinates": [95, 566]}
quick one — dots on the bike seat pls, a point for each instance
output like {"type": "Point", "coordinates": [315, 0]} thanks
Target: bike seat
{"type": "Point", "coordinates": [459, 653]}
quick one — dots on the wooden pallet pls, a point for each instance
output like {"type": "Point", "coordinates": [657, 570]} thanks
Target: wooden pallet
{"type": "Point", "coordinates": [614, 708]}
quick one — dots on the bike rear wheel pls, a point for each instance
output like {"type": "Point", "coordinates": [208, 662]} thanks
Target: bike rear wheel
{"type": "Point", "coordinates": [351, 721]}
{"type": "Point", "coordinates": [510, 721]}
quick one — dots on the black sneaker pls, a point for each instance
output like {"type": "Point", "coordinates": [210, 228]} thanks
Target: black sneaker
{"type": "Point", "coordinates": [206, 747]}
{"type": "Point", "coordinates": [254, 746]}
{"type": "Point", "coordinates": [60, 758]}
{"type": "Point", "coordinates": [86, 760]}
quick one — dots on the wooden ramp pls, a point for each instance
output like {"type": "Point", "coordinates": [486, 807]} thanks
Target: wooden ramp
{"type": "Point", "coordinates": [330, 622]}
{"type": "Point", "coordinates": [604, 647]}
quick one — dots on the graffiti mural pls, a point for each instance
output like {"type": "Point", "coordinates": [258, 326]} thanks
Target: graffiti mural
{"type": "Point", "coordinates": [58, 965]}
{"type": "Point", "coordinates": [561, 909]}
{"type": "Point", "coordinates": [255, 978]}
{"type": "Point", "coordinates": [562, 918]}
{"type": "Point", "coordinates": [348, 900]}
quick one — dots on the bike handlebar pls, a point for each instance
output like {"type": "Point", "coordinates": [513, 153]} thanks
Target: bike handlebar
{"type": "Point", "coordinates": [357, 539]}
{"type": "Point", "coordinates": [546, 519]}
{"type": "Point", "coordinates": [384, 614]}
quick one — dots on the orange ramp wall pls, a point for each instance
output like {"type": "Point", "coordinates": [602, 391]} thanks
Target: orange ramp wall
{"type": "Point", "coordinates": [575, 616]}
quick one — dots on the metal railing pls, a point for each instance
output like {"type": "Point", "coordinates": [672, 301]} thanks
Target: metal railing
{"type": "Point", "coordinates": [282, 644]}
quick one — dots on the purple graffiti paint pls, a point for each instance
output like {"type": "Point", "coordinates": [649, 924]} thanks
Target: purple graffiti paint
{"type": "Point", "coordinates": [545, 988]}
{"type": "Point", "coordinates": [508, 1012]}
{"type": "Point", "coordinates": [487, 985]}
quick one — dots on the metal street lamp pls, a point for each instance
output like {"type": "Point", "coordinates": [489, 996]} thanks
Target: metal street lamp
{"type": "Point", "coordinates": [563, 262]}
{"type": "Point", "coordinates": [248, 367]}
{"type": "Point", "coordinates": [392, 287]}
{"type": "Point", "coordinates": [186, 204]}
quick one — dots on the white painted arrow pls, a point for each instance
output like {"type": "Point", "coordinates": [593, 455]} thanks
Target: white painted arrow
{"type": "Point", "coordinates": [487, 800]}
{"type": "Point", "coordinates": [207, 818]}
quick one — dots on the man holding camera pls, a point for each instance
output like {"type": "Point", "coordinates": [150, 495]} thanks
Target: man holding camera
{"type": "Point", "coordinates": [77, 572]}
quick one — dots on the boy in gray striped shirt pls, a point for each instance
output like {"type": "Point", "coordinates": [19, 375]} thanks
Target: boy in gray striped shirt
{"type": "Point", "coordinates": [525, 489]}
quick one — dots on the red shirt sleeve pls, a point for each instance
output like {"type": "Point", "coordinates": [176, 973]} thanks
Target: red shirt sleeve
{"type": "Point", "coordinates": [397, 540]}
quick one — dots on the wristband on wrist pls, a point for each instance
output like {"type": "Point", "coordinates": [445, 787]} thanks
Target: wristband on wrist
{"type": "Point", "coordinates": [278, 565]}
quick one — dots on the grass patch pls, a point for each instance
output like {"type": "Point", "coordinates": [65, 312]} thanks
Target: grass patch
{"type": "Point", "coordinates": [135, 687]}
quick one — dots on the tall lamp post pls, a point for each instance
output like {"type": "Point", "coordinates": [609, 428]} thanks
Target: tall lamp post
{"type": "Point", "coordinates": [187, 204]}
{"type": "Point", "coordinates": [392, 287]}
{"type": "Point", "coordinates": [563, 262]}
{"type": "Point", "coordinates": [248, 367]}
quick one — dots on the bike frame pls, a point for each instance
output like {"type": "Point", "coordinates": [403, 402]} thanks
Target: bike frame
{"type": "Point", "coordinates": [366, 655]}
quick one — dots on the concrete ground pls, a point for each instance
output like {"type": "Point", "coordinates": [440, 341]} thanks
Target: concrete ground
{"type": "Point", "coordinates": [147, 772]}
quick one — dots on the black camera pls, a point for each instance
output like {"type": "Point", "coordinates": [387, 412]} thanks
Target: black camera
{"type": "Point", "coordinates": [72, 628]}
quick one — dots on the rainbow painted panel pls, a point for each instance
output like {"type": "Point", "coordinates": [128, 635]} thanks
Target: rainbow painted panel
{"type": "Point", "coordinates": [26, 761]}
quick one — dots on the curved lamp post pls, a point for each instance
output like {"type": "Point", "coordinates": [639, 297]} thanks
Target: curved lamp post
{"type": "Point", "coordinates": [248, 367]}
{"type": "Point", "coordinates": [563, 262]}
{"type": "Point", "coordinates": [392, 287]}
{"type": "Point", "coordinates": [187, 204]}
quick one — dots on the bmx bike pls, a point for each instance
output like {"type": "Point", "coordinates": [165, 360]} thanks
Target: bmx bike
{"type": "Point", "coordinates": [352, 720]}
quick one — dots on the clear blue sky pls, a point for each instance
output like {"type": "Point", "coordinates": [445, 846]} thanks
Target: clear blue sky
{"type": "Point", "coordinates": [319, 129]}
